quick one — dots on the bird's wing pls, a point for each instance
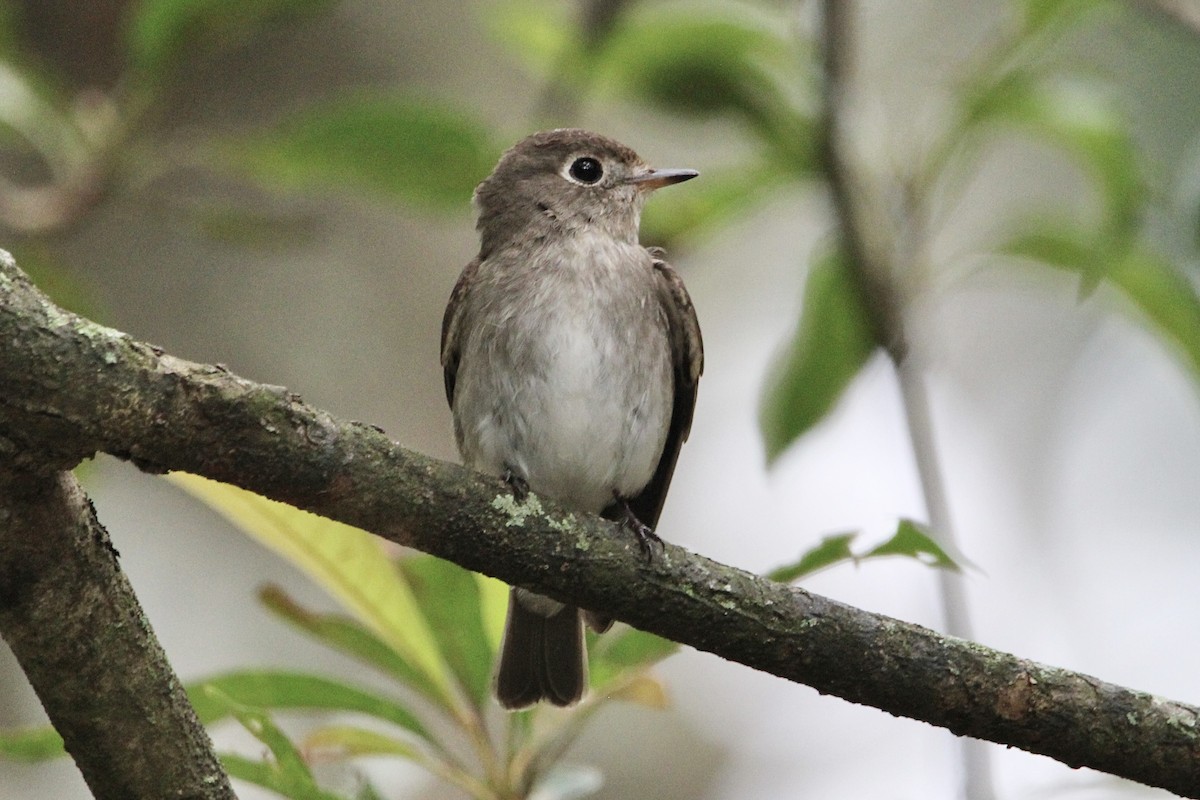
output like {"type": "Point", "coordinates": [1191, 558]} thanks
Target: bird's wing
{"type": "Point", "coordinates": [687, 354]}
{"type": "Point", "coordinates": [452, 328]}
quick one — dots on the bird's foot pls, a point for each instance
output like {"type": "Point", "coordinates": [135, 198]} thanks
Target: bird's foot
{"type": "Point", "coordinates": [518, 485]}
{"type": "Point", "coordinates": [647, 538]}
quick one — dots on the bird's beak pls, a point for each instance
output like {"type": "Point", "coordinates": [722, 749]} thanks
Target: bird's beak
{"type": "Point", "coordinates": [653, 179]}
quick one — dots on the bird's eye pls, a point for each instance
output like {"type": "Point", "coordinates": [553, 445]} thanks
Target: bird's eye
{"type": "Point", "coordinates": [586, 170]}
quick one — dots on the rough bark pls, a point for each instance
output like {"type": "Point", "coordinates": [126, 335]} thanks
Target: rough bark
{"type": "Point", "coordinates": [75, 626]}
{"type": "Point", "coordinates": [71, 388]}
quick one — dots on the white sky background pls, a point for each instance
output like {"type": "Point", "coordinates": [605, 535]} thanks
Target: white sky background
{"type": "Point", "coordinates": [1070, 439]}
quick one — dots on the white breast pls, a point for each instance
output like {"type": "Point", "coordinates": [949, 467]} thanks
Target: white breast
{"type": "Point", "coordinates": [567, 378]}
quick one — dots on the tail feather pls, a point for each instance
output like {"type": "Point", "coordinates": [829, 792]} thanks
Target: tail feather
{"type": "Point", "coordinates": [542, 657]}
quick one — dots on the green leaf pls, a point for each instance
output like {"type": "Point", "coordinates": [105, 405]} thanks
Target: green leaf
{"type": "Point", "coordinates": [493, 608]}
{"type": "Point", "coordinates": [278, 690]}
{"type": "Point", "coordinates": [367, 791]}
{"type": "Point", "coordinates": [1164, 298]}
{"type": "Point", "coordinates": [449, 597]}
{"type": "Point", "coordinates": [704, 64]}
{"type": "Point", "coordinates": [1158, 294]}
{"type": "Point", "coordinates": [287, 773]}
{"type": "Point", "coordinates": [162, 33]}
{"type": "Point", "coordinates": [912, 540]}
{"type": "Point", "coordinates": [338, 742]}
{"type": "Point", "coordinates": [348, 636]}
{"type": "Point", "coordinates": [1040, 15]}
{"type": "Point", "coordinates": [614, 654]}
{"type": "Point", "coordinates": [831, 550]}
{"type": "Point", "coordinates": [541, 33]}
{"type": "Point", "coordinates": [347, 562]}
{"type": "Point", "coordinates": [258, 228]}
{"type": "Point", "coordinates": [1084, 120]}
{"type": "Point", "coordinates": [1062, 247]}
{"type": "Point", "coordinates": [715, 199]}
{"type": "Point", "coordinates": [46, 268]}
{"type": "Point", "coordinates": [401, 149]}
{"type": "Point", "coordinates": [832, 343]}
{"type": "Point", "coordinates": [31, 744]}
{"type": "Point", "coordinates": [10, 30]}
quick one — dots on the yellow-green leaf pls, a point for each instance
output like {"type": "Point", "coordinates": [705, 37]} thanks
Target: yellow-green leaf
{"type": "Point", "coordinates": [347, 562]}
{"type": "Point", "coordinates": [493, 608]}
{"type": "Point", "coordinates": [337, 742]}
{"type": "Point", "coordinates": [643, 690]}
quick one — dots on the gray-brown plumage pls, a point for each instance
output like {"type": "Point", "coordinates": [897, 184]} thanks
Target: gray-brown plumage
{"type": "Point", "coordinates": [571, 355]}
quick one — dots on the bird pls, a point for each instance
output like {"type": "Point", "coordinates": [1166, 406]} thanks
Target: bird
{"type": "Point", "coordinates": [571, 355]}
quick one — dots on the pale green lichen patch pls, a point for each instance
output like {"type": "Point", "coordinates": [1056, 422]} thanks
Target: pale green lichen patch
{"type": "Point", "coordinates": [1183, 722]}
{"type": "Point", "coordinates": [94, 331]}
{"type": "Point", "coordinates": [531, 507]}
{"type": "Point", "coordinates": [564, 525]}
{"type": "Point", "coordinates": [517, 512]}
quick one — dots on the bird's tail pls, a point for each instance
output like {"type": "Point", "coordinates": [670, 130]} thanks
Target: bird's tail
{"type": "Point", "coordinates": [543, 656]}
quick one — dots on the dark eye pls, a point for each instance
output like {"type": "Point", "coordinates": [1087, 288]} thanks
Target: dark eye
{"type": "Point", "coordinates": [586, 170]}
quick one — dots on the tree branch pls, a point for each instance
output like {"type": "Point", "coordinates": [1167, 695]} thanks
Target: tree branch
{"type": "Point", "coordinates": [73, 622]}
{"type": "Point", "coordinates": [71, 387]}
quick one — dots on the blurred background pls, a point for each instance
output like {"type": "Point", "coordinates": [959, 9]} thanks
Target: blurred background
{"type": "Point", "coordinates": [284, 188]}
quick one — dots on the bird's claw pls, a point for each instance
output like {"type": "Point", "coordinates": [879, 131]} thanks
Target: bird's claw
{"type": "Point", "coordinates": [518, 485]}
{"type": "Point", "coordinates": [647, 539]}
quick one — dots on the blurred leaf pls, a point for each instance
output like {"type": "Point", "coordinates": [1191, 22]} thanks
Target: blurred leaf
{"type": "Point", "coordinates": [403, 149]}
{"type": "Point", "coordinates": [266, 774]}
{"type": "Point", "coordinates": [31, 744]}
{"type": "Point", "coordinates": [911, 540]}
{"type": "Point", "coordinates": [616, 653]}
{"type": "Point", "coordinates": [493, 608]}
{"type": "Point", "coordinates": [703, 63]}
{"type": "Point", "coordinates": [347, 562]}
{"type": "Point", "coordinates": [568, 782]}
{"type": "Point", "coordinates": [709, 202]}
{"type": "Point", "coordinates": [449, 598]}
{"type": "Point", "coordinates": [45, 268]}
{"type": "Point", "coordinates": [368, 792]}
{"type": "Point", "coordinates": [10, 41]}
{"type": "Point", "coordinates": [287, 773]}
{"type": "Point", "coordinates": [830, 550]}
{"type": "Point", "coordinates": [1061, 247]}
{"type": "Point", "coordinates": [538, 31]}
{"type": "Point", "coordinates": [1040, 15]}
{"type": "Point", "coordinates": [832, 343]}
{"type": "Point", "coordinates": [1166, 298]}
{"type": "Point", "coordinates": [348, 636]}
{"type": "Point", "coordinates": [338, 742]}
{"type": "Point", "coordinates": [643, 690]}
{"type": "Point", "coordinates": [1157, 292]}
{"type": "Point", "coordinates": [162, 33]}
{"type": "Point", "coordinates": [1083, 119]}
{"type": "Point", "coordinates": [236, 224]}
{"type": "Point", "coordinates": [272, 689]}
{"type": "Point", "coordinates": [37, 119]}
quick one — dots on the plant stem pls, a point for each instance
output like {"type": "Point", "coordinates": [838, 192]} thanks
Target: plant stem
{"type": "Point", "coordinates": [878, 267]}
{"type": "Point", "coordinates": [977, 772]}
